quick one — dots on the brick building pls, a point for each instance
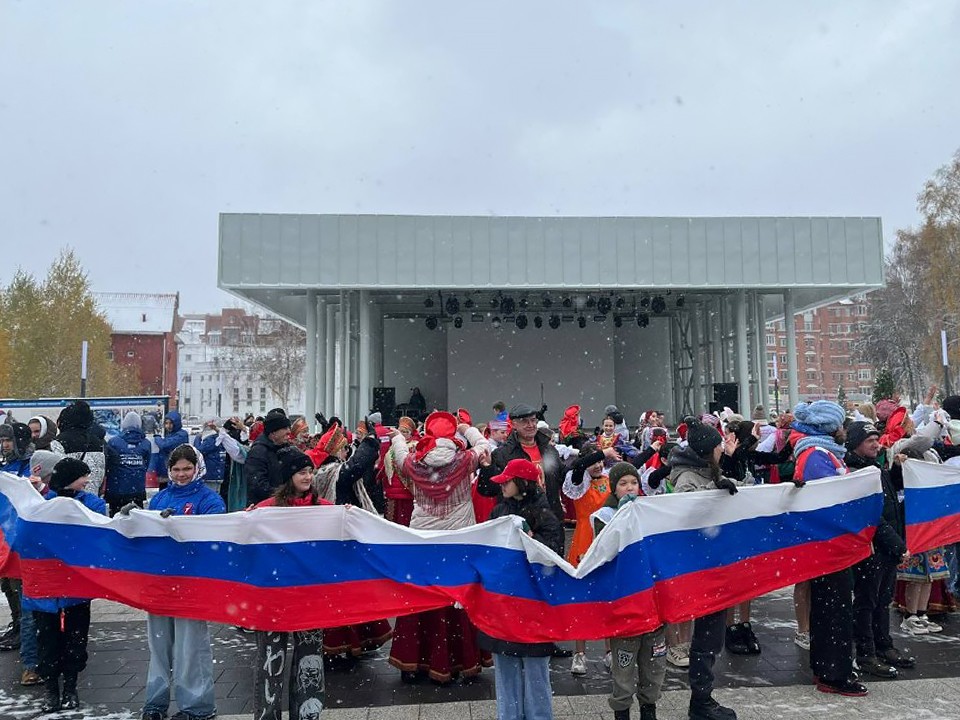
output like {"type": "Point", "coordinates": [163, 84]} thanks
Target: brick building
{"type": "Point", "coordinates": [144, 327]}
{"type": "Point", "coordinates": [826, 353]}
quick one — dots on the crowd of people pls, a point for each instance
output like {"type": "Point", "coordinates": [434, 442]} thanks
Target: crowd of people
{"type": "Point", "coordinates": [448, 472]}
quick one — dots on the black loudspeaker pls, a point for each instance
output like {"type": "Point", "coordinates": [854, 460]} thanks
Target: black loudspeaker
{"type": "Point", "coordinates": [726, 395]}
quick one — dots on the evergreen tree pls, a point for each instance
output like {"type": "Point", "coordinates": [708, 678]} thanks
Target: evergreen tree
{"type": "Point", "coordinates": [884, 386]}
{"type": "Point", "coordinates": [841, 396]}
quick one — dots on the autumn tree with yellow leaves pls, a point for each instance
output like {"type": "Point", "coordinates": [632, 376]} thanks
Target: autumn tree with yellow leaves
{"type": "Point", "coordinates": [44, 325]}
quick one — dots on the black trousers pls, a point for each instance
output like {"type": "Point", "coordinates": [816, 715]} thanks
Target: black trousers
{"type": "Point", "coordinates": [307, 688]}
{"type": "Point", "coordinates": [11, 590]}
{"type": "Point", "coordinates": [63, 643]}
{"type": "Point", "coordinates": [874, 580]}
{"type": "Point", "coordinates": [831, 627]}
{"type": "Point", "coordinates": [707, 641]}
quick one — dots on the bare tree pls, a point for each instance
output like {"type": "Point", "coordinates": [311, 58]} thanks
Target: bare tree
{"type": "Point", "coordinates": [277, 353]}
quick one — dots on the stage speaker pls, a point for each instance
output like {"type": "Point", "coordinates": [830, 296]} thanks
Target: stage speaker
{"type": "Point", "coordinates": [384, 399]}
{"type": "Point", "coordinates": [726, 395]}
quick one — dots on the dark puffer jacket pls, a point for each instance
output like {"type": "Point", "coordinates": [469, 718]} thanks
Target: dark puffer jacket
{"type": "Point", "coordinates": [546, 528]}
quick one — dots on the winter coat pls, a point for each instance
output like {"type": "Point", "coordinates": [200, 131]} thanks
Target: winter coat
{"type": "Point", "coordinates": [511, 449]}
{"type": "Point", "coordinates": [82, 438]}
{"type": "Point", "coordinates": [337, 481]}
{"type": "Point", "coordinates": [127, 458]}
{"type": "Point", "coordinates": [18, 466]}
{"type": "Point", "coordinates": [261, 471]}
{"type": "Point", "coordinates": [55, 605]}
{"type": "Point", "coordinates": [179, 436]}
{"type": "Point", "coordinates": [889, 541]}
{"type": "Point", "coordinates": [546, 528]}
{"type": "Point", "coordinates": [689, 472]}
{"type": "Point", "coordinates": [194, 498]}
{"type": "Point", "coordinates": [214, 457]}
{"type": "Point", "coordinates": [307, 501]}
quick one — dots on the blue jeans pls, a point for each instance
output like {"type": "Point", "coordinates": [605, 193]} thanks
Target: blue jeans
{"type": "Point", "coordinates": [29, 647]}
{"type": "Point", "coordinates": [523, 687]}
{"type": "Point", "coordinates": [953, 584]}
{"type": "Point", "coordinates": [181, 649]}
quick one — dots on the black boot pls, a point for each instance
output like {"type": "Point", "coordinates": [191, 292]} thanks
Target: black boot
{"type": "Point", "coordinates": [70, 700]}
{"type": "Point", "coordinates": [736, 640]}
{"type": "Point", "coordinates": [648, 712]}
{"type": "Point", "coordinates": [621, 714]}
{"type": "Point", "coordinates": [11, 638]}
{"type": "Point", "coordinates": [750, 639]}
{"type": "Point", "coordinates": [51, 695]}
{"type": "Point", "coordinates": [709, 709]}
{"type": "Point", "coordinates": [897, 659]}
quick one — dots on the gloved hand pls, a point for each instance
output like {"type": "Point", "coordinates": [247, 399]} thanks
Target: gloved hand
{"type": "Point", "coordinates": [166, 512]}
{"type": "Point", "coordinates": [797, 482]}
{"type": "Point", "coordinates": [725, 483]}
{"type": "Point", "coordinates": [320, 419]}
{"type": "Point", "coordinates": [125, 510]}
{"type": "Point", "coordinates": [626, 499]}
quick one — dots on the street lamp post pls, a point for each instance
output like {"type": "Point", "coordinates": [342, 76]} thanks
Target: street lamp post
{"type": "Point", "coordinates": [946, 362]}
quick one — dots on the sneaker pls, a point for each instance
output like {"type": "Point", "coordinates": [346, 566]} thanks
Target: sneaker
{"type": "Point", "coordinates": [579, 664]}
{"type": "Point", "coordinates": [931, 626]}
{"type": "Point", "coordinates": [736, 640]}
{"type": "Point", "coordinates": [11, 641]}
{"type": "Point", "coordinates": [876, 667]}
{"type": "Point", "coordinates": [560, 652]}
{"type": "Point", "coordinates": [621, 714]}
{"type": "Point", "coordinates": [608, 660]}
{"type": "Point", "coordinates": [848, 688]}
{"type": "Point", "coordinates": [30, 677]}
{"type": "Point", "coordinates": [152, 715]}
{"type": "Point", "coordinates": [678, 655]}
{"type": "Point", "coordinates": [913, 625]}
{"type": "Point", "coordinates": [182, 715]}
{"type": "Point", "coordinates": [647, 712]}
{"type": "Point", "coordinates": [897, 659]}
{"type": "Point", "coordinates": [801, 640]}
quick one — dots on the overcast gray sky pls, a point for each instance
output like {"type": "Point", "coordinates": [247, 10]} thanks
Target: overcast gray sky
{"type": "Point", "coordinates": [126, 127]}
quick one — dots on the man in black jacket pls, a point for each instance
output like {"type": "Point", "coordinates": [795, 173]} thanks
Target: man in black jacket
{"type": "Point", "coordinates": [261, 471]}
{"type": "Point", "coordinates": [525, 443]}
{"type": "Point", "coordinates": [875, 577]}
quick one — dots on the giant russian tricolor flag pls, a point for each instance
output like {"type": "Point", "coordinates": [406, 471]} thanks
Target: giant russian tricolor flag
{"type": "Point", "coordinates": [931, 504]}
{"type": "Point", "coordinates": [661, 559]}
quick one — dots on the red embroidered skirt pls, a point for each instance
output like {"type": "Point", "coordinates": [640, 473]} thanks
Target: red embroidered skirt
{"type": "Point", "coordinates": [356, 639]}
{"type": "Point", "coordinates": [400, 510]}
{"type": "Point", "coordinates": [441, 643]}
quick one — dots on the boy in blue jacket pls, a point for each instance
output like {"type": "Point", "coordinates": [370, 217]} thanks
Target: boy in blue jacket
{"type": "Point", "coordinates": [63, 624]}
{"type": "Point", "coordinates": [173, 436]}
{"type": "Point", "coordinates": [127, 460]}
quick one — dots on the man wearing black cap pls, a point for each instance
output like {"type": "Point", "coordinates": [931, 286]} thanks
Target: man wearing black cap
{"type": "Point", "coordinates": [875, 577]}
{"type": "Point", "coordinates": [524, 443]}
{"type": "Point", "coordinates": [261, 471]}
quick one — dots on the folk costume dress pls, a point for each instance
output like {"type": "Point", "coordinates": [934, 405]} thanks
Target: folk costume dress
{"type": "Point", "coordinates": [396, 487]}
{"type": "Point", "coordinates": [440, 643]}
{"type": "Point", "coordinates": [342, 483]}
{"type": "Point", "coordinates": [588, 495]}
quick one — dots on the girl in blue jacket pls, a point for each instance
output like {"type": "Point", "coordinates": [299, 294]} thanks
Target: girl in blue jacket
{"type": "Point", "coordinates": [178, 644]}
{"type": "Point", "coordinates": [63, 624]}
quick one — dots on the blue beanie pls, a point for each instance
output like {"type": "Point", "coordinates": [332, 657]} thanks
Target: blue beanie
{"type": "Point", "coordinates": [824, 415]}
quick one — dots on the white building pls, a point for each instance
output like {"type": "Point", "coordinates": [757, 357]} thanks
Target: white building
{"type": "Point", "coordinates": [218, 374]}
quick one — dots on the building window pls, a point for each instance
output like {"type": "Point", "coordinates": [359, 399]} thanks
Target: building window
{"type": "Point", "coordinates": [783, 342]}
{"type": "Point", "coordinates": [808, 326]}
{"type": "Point", "coordinates": [188, 358]}
{"type": "Point", "coordinates": [771, 339]}
{"type": "Point", "coordinates": [130, 353]}
{"type": "Point", "coordinates": [249, 396]}
{"type": "Point", "coordinates": [809, 342]}
{"type": "Point", "coordinates": [811, 375]}
{"type": "Point", "coordinates": [110, 355]}
{"type": "Point", "coordinates": [186, 378]}
{"type": "Point", "coordinates": [864, 374]}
